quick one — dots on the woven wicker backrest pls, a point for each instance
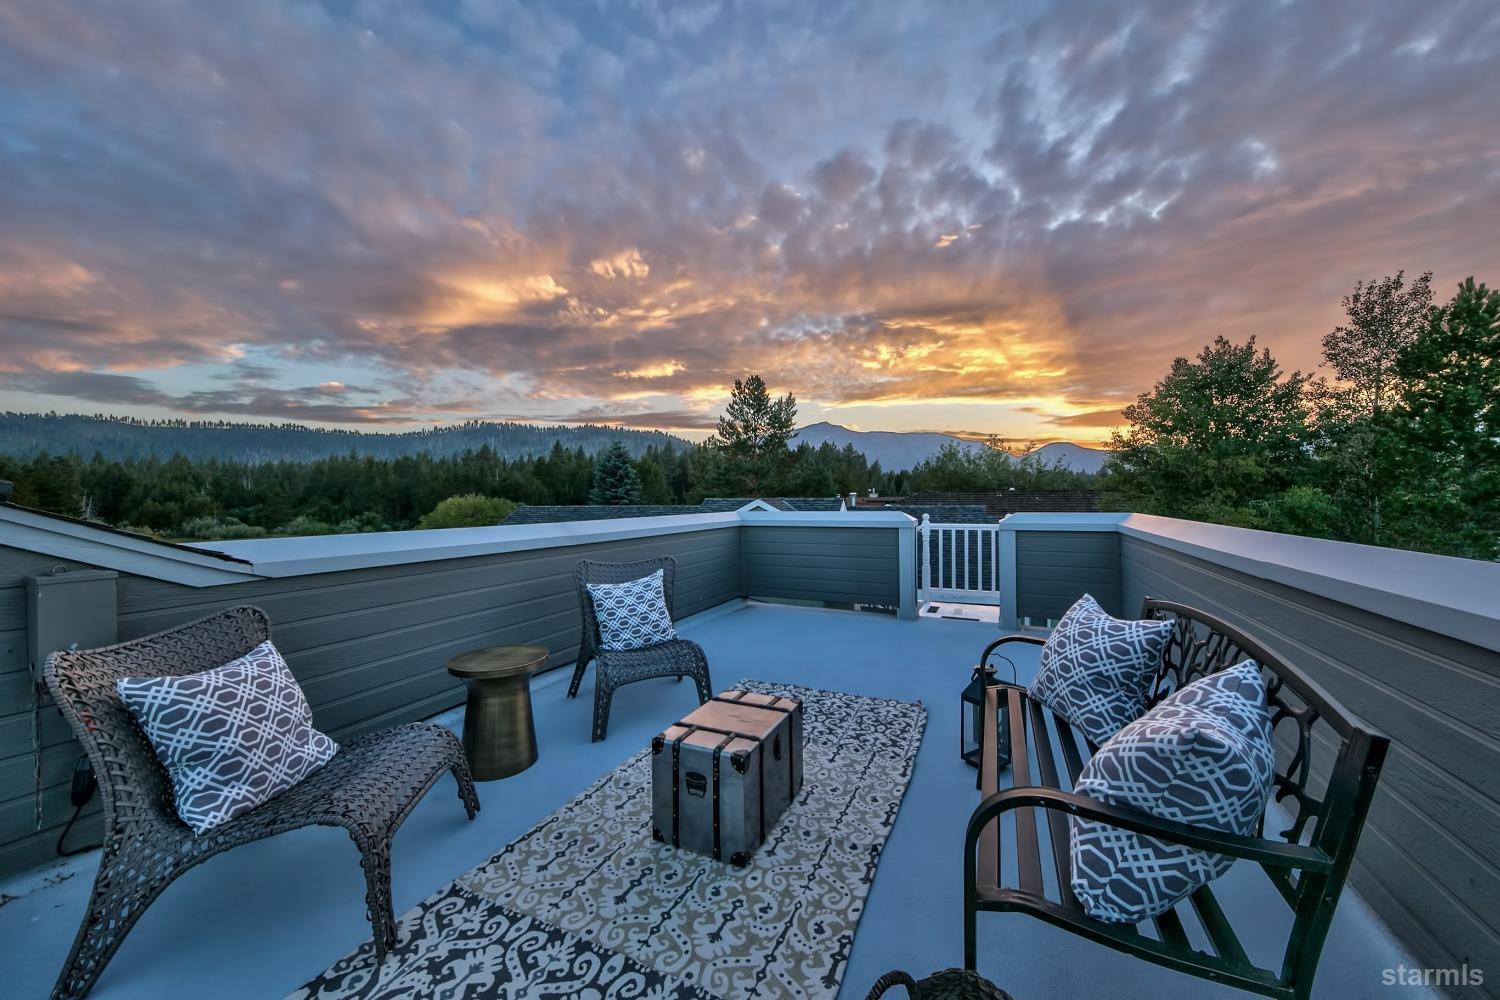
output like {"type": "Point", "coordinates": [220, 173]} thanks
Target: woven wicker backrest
{"type": "Point", "coordinates": [588, 572]}
{"type": "Point", "coordinates": [132, 782]}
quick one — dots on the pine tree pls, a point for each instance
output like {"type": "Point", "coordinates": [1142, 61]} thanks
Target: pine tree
{"type": "Point", "coordinates": [654, 487]}
{"type": "Point", "coordinates": [751, 443]}
{"type": "Point", "coordinates": [616, 480]}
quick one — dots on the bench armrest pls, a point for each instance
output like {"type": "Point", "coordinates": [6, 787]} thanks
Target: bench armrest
{"type": "Point", "coordinates": [1034, 640]}
{"type": "Point", "coordinates": [1273, 853]}
{"type": "Point", "coordinates": [1030, 640]}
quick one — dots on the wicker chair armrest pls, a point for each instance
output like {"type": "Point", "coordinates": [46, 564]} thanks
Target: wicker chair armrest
{"type": "Point", "coordinates": [1272, 853]}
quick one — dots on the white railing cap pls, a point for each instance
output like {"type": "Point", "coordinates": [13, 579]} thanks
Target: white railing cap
{"type": "Point", "coordinates": [1456, 597]}
{"type": "Point", "coordinates": [298, 556]}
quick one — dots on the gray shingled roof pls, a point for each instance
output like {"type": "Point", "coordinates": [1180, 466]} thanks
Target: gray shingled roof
{"type": "Point", "coordinates": [939, 513]}
{"type": "Point", "coordinates": [720, 504]}
{"type": "Point", "coordinates": [997, 504]}
{"type": "Point", "coordinates": [547, 513]}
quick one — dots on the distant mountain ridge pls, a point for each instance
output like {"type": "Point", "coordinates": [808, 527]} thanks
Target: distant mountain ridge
{"type": "Point", "coordinates": [897, 450]}
{"type": "Point", "coordinates": [25, 434]}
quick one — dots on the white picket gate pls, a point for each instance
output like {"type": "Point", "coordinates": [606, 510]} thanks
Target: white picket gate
{"type": "Point", "coordinates": [959, 562]}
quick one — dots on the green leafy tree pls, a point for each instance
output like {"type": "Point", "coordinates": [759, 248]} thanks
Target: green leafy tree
{"type": "Point", "coordinates": [616, 480]}
{"type": "Point", "coordinates": [1384, 318]}
{"type": "Point", "coordinates": [1218, 433]}
{"type": "Point", "coordinates": [1445, 430]}
{"type": "Point", "coordinates": [469, 510]}
{"type": "Point", "coordinates": [217, 529]}
{"type": "Point", "coordinates": [751, 443]}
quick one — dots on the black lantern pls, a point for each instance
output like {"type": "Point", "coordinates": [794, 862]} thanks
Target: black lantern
{"type": "Point", "coordinates": [971, 714]}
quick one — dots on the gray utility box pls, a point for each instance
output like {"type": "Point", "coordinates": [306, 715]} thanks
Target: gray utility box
{"type": "Point", "coordinates": [723, 776]}
{"type": "Point", "coordinates": [69, 609]}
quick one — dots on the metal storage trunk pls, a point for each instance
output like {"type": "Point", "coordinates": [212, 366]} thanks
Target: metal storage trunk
{"type": "Point", "coordinates": [723, 776]}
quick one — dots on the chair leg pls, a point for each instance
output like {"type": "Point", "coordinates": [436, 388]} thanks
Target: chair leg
{"type": "Point", "coordinates": [466, 791]}
{"type": "Point", "coordinates": [604, 693]}
{"type": "Point", "coordinates": [578, 670]}
{"type": "Point", "coordinates": [116, 903]}
{"type": "Point", "coordinates": [705, 686]}
{"type": "Point", "coordinates": [375, 859]}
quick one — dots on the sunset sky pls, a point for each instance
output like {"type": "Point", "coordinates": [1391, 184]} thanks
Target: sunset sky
{"type": "Point", "coordinates": [996, 218]}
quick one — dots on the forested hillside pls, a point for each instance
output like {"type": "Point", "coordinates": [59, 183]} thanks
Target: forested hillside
{"type": "Point", "coordinates": [180, 498]}
{"type": "Point", "coordinates": [24, 435]}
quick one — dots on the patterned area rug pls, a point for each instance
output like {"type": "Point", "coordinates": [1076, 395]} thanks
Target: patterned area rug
{"type": "Point", "coordinates": [586, 904]}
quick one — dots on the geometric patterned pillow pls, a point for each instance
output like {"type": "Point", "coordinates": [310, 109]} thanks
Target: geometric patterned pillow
{"type": "Point", "coordinates": [632, 615]}
{"type": "Point", "coordinates": [1202, 756]}
{"type": "Point", "coordinates": [230, 737]}
{"type": "Point", "coordinates": [1097, 670]}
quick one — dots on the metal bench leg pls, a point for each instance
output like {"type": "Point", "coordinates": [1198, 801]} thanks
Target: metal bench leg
{"type": "Point", "coordinates": [970, 934]}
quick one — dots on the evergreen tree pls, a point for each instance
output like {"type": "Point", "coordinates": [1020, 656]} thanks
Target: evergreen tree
{"type": "Point", "coordinates": [654, 487]}
{"type": "Point", "coordinates": [751, 444]}
{"type": "Point", "coordinates": [616, 480]}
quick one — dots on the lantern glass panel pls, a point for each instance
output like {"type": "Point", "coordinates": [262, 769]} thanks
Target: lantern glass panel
{"type": "Point", "coordinates": [971, 713]}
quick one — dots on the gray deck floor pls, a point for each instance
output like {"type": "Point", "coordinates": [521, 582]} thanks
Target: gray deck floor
{"type": "Point", "coordinates": [260, 920]}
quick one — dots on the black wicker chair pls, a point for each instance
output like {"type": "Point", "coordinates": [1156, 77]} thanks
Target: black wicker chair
{"type": "Point", "coordinates": [368, 788]}
{"type": "Point", "coordinates": [617, 667]}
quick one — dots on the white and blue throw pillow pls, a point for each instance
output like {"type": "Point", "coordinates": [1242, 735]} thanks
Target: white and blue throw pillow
{"type": "Point", "coordinates": [231, 737]}
{"type": "Point", "coordinates": [1202, 756]}
{"type": "Point", "coordinates": [1097, 670]}
{"type": "Point", "coordinates": [632, 615]}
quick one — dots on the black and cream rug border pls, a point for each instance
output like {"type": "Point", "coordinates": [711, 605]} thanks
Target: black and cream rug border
{"type": "Point", "coordinates": [586, 904]}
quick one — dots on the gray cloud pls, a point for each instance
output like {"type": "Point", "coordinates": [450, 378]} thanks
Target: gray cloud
{"type": "Point", "coordinates": [309, 403]}
{"type": "Point", "coordinates": [677, 420]}
{"type": "Point", "coordinates": [618, 212]}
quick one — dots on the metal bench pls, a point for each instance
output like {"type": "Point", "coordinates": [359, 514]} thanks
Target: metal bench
{"type": "Point", "coordinates": [1328, 763]}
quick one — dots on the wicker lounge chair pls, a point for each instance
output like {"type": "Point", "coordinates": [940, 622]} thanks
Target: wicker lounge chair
{"type": "Point", "coordinates": [368, 788]}
{"type": "Point", "coordinates": [617, 667]}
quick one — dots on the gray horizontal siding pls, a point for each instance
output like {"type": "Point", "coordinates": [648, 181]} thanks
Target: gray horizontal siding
{"type": "Point", "coordinates": [833, 565]}
{"type": "Point", "coordinates": [1055, 568]}
{"type": "Point", "coordinates": [368, 646]}
{"type": "Point", "coordinates": [20, 847]}
{"type": "Point", "coordinates": [1429, 860]}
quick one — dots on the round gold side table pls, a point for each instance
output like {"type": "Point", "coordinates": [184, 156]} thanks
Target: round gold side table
{"type": "Point", "coordinates": [499, 734]}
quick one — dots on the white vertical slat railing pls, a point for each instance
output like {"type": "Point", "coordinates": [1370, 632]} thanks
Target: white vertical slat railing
{"type": "Point", "coordinates": [959, 562]}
